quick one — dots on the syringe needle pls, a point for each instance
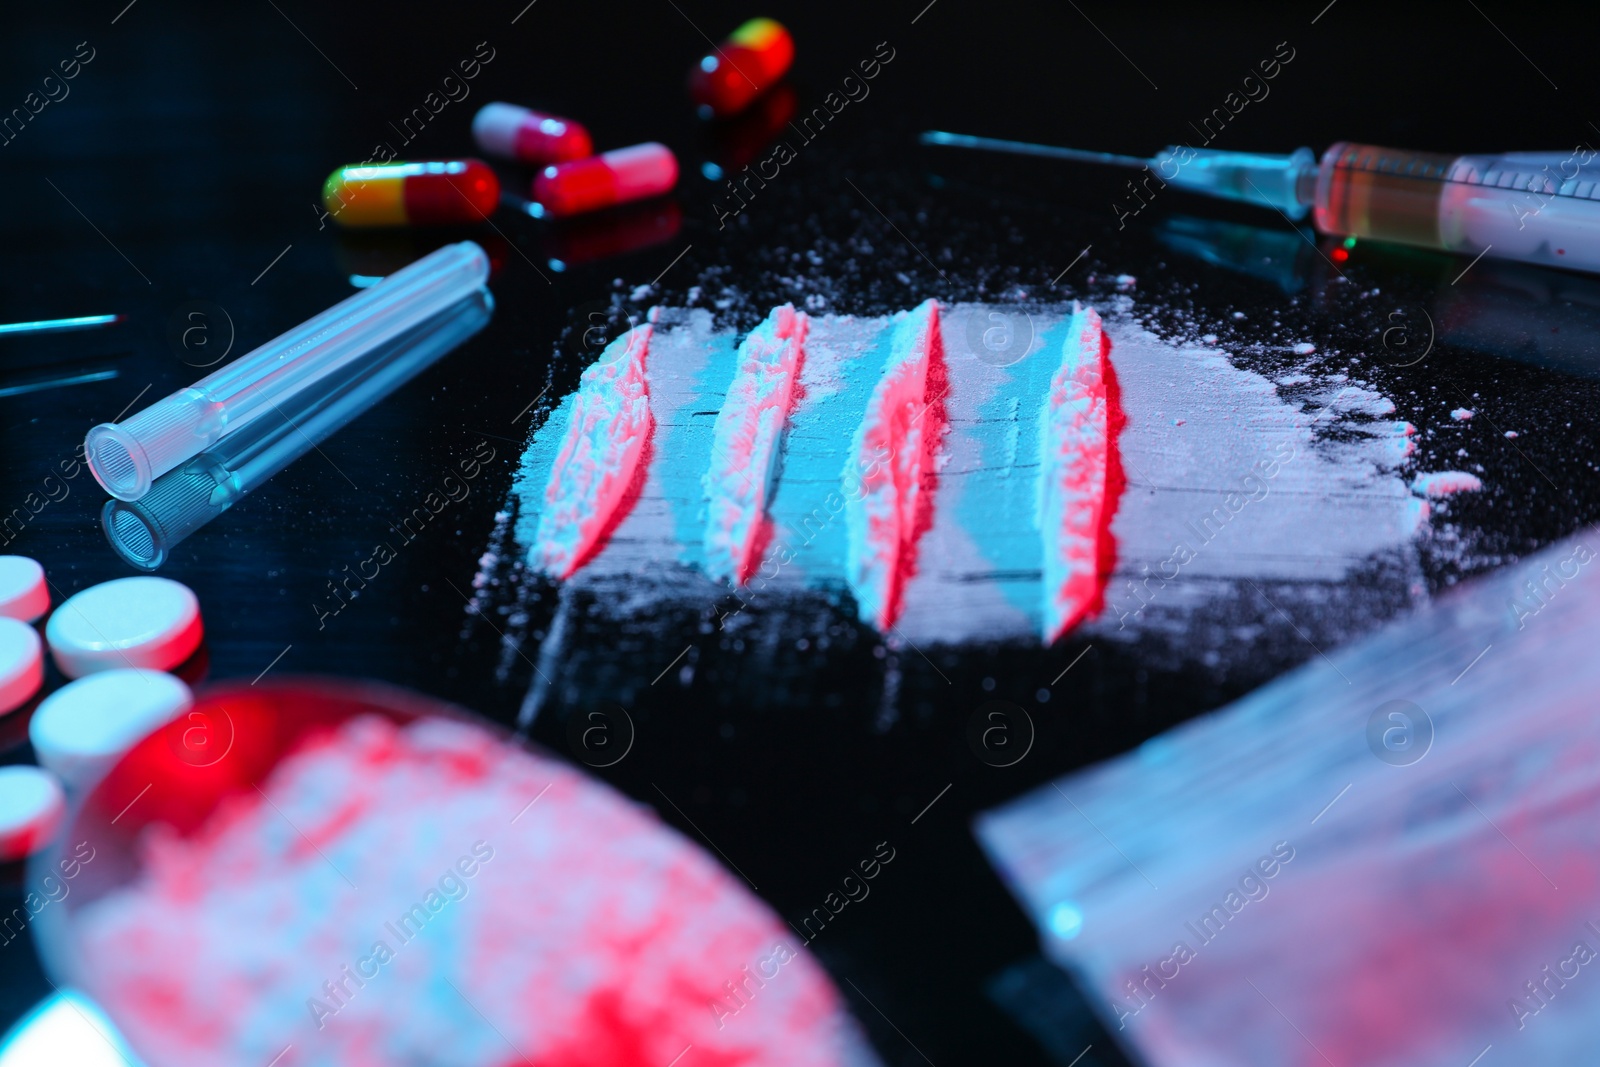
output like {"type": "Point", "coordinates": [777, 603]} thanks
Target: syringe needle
{"type": "Point", "coordinates": [1024, 148]}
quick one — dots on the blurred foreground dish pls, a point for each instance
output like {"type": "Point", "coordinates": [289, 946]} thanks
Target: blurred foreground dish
{"type": "Point", "coordinates": [369, 878]}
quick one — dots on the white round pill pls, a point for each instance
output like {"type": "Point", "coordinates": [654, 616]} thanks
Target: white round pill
{"type": "Point", "coordinates": [21, 664]}
{"type": "Point", "coordinates": [23, 592]}
{"type": "Point", "coordinates": [130, 622]}
{"type": "Point", "coordinates": [32, 804]}
{"type": "Point", "coordinates": [84, 727]}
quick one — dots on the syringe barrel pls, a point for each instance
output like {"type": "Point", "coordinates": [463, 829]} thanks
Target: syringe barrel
{"type": "Point", "coordinates": [1539, 208]}
{"type": "Point", "coordinates": [127, 456]}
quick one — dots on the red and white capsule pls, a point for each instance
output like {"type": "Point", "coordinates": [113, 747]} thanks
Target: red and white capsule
{"type": "Point", "coordinates": [513, 132]}
{"type": "Point", "coordinates": [616, 177]}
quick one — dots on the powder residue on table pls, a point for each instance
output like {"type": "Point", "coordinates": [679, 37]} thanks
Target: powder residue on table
{"type": "Point", "coordinates": [428, 894]}
{"type": "Point", "coordinates": [1446, 483]}
{"type": "Point", "coordinates": [1236, 485]}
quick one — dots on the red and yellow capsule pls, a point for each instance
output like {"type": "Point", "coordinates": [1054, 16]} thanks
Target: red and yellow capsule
{"type": "Point", "coordinates": [746, 65]}
{"type": "Point", "coordinates": [412, 194]}
{"type": "Point", "coordinates": [615, 177]}
{"type": "Point", "coordinates": [513, 132]}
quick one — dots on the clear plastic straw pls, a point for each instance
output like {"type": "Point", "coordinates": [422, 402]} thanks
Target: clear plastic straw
{"type": "Point", "coordinates": [126, 457]}
{"type": "Point", "coordinates": [145, 531]}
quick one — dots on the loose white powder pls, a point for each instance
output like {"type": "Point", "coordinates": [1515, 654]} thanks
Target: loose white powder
{"type": "Point", "coordinates": [1200, 519]}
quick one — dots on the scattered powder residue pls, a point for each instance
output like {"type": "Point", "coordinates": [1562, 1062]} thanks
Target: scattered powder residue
{"type": "Point", "coordinates": [1461, 414]}
{"type": "Point", "coordinates": [1077, 494]}
{"type": "Point", "coordinates": [1355, 398]}
{"type": "Point", "coordinates": [429, 894]}
{"type": "Point", "coordinates": [607, 427]}
{"type": "Point", "coordinates": [747, 443]}
{"type": "Point", "coordinates": [1237, 484]}
{"type": "Point", "coordinates": [886, 502]}
{"type": "Point", "coordinates": [1443, 483]}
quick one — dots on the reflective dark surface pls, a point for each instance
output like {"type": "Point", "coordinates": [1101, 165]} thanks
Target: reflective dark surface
{"type": "Point", "coordinates": [180, 172]}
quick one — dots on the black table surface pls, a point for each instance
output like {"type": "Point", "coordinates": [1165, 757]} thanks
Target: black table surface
{"type": "Point", "coordinates": [181, 167]}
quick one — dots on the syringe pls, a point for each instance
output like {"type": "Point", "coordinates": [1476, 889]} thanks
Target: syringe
{"type": "Point", "coordinates": [127, 456]}
{"type": "Point", "coordinates": [1536, 207]}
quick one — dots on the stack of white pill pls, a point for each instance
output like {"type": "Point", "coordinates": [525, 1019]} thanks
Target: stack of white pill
{"type": "Point", "coordinates": [115, 639]}
{"type": "Point", "coordinates": [24, 597]}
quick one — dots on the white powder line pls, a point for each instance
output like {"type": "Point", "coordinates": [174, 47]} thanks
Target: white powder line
{"type": "Point", "coordinates": [979, 547]}
{"type": "Point", "coordinates": [931, 803]}
{"type": "Point", "coordinates": [888, 457]}
{"type": "Point", "coordinates": [890, 1021]}
{"type": "Point", "coordinates": [1085, 1052]}
{"type": "Point", "coordinates": [303, 837]}
{"type": "Point", "coordinates": [1074, 464]}
{"type": "Point", "coordinates": [924, 11]}
{"type": "Point", "coordinates": [1321, 13]}
{"type": "Point", "coordinates": [1473, 664]}
{"type": "Point", "coordinates": [1102, 833]}
{"type": "Point", "coordinates": [131, 803]}
{"type": "Point", "coordinates": [674, 662]}
{"type": "Point", "coordinates": [680, 1056]}
{"type": "Point", "coordinates": [1480, 1056]}
{"type": "Point", "coordinates": [280, 1055]}
{"type": "Point", "coordinates": [531, 803]}
{"type": "Point", "coordinates": [609, 423]}
{"type": "Point", "coordinates": [702, 833]}
{"type": "Point", "coordinates": [747, 443]}
{"type": "Point", "coordinates": [1073, 664]}
{"type": "Point", "coordinates": [1330, 804]}
{"type": "Point", "coordinates": [1290, 1021]}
